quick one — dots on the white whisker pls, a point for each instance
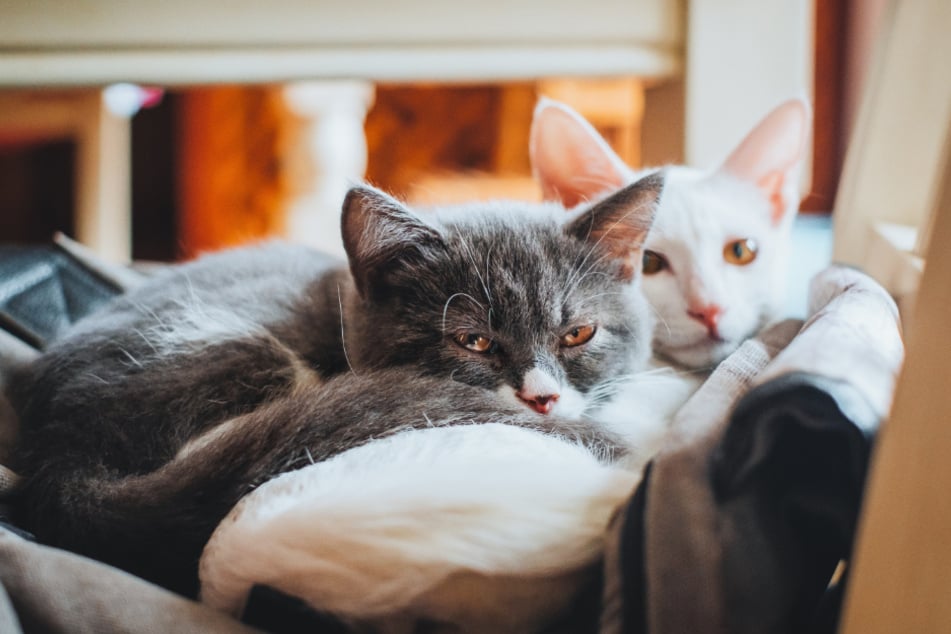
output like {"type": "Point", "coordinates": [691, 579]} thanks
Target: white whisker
{"type": "Point", "coordinates": [343, 338]}
{"type": "Point", "coordinates": [660, 318]}
{"type": "Point", "coordinates": [130, 357]}
{"type": "Point", "coordinates": [97, 377]}
{"type": "Point", "coordinates": [469, 254]}
{"type": "Point", "coordinates": [445, 307]}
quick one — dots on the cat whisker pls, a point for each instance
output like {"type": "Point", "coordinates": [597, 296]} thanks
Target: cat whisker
{"type": "Point", "coordinates": [343, 338]}
{"type": "Point", "coordinates": [588, 298]}
{"type": "Point", "coordinates": [488, 258]}
{"type": "Point", "coordinates": [469, 254]}
{"type": "Point", "coordinates": [151, 313]}
{"type": "Point", "coordinates": [445, 308]}
{"type": "Point", "coordinates": [660, 318]}
{"type": "Point", "coordinates": [132, 359]}
{"type": "Point", "coordinates": [588, 273]}
{"type": "Point", "coordinates": [97, 377]}
{"type": "Point", "coordinates": [147, 341]}
{"type": "Point", "coordinates": [577, 276]}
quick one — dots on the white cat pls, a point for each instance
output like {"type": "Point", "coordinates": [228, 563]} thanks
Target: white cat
{"type": "Point", "coordinates": [714, 264]}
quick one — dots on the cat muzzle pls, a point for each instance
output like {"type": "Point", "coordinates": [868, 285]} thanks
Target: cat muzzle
{"type": "Point", "coordinates": [541, 404]}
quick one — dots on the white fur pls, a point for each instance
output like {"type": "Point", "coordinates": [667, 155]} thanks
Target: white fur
{"type": "Point", "coordinates": [571, 403]}
{"type": "Point", "coordinates": [537, 382]}
{"type": "Point", "coordinates": [489, 526]}
{"type": "Point", "coordinates": [643, 406]}
{"type": "Point", "coordinates": [700, 212]}
{"type": "Point", "coordinates": [195, 325]}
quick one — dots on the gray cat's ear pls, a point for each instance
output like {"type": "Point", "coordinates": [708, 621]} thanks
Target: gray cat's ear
{"type": "Point", "coordinates": [380, 234]}
{"type": "Point", "coordinates": [619, 224]}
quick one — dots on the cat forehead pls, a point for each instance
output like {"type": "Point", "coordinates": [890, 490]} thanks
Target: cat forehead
{"type": "Point", "coordinates": [503, 234]}
{"type": "Point", "coordinates": [495, 213]}
{"type": "Point", "coordinates": [698, 205]}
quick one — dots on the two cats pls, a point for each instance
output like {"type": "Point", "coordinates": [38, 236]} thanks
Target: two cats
{"type": "Point", "coordinates": [714, 262]}
{"type": "Point", "coordinates": [142, 427]}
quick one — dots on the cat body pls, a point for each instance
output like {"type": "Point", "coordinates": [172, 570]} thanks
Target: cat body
{"type": "Point", "coordinates": [143, 426]}
{"type": "Point", "coordinates": [715, 259]}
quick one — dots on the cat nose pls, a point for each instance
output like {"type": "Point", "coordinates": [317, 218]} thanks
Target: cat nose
{"type": "Point", "coordinates": [709, 316]}
{"type": "Point", "coordinates": [541, 404]}
{"type": "Point", "coordinates": [539, 390]}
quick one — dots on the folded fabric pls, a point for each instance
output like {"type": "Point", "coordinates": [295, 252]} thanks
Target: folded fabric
{"type": "Point", "coordinates": [737, 525]}
{"type": "Point", "coordinates": [746, 514]}
{"type": "Point", "coordinates": [48, 590]}
{"type": "Point", "coordinates": [490, 528]}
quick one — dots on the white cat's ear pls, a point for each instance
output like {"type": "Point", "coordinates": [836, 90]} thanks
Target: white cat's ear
{"type": "Point", "coordinates": [771, 156]}
{"type": "Point", "coordinates": [619, 224]}
{"type": "Point", "coordinates": [380, 233]}
{"type": "Point", "coordinates": [570, 160]}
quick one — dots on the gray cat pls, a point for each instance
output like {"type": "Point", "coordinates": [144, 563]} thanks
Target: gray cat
{"type": "Point", "coordinates": [145, 424]}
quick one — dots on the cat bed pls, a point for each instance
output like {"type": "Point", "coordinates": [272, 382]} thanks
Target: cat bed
{"type": "Point", "coordinates": [493, 527]}
{"type": "Point", "coordinates": [737, 525]}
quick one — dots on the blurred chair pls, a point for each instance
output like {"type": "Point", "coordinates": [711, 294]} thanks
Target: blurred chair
{"type": "Point", "coordinates": [101, 135]}
{"type": "Point", "coordinates": [893, 217]}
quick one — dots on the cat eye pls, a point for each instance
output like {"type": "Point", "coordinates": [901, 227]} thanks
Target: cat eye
{"type": "Point", "coordinates": [476, 342]}
{"type": "Point", "coordinates": [654, 262]}
{"type": "Point", "coordinates": [578, 336]}
{"type": "Point", "coordinates": [740, 252]}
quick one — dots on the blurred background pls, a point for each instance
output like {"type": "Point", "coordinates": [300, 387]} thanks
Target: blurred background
{"type": "Point", "coordinates": [160, 131]}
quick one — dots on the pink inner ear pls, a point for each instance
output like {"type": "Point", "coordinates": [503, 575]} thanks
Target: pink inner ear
{"type": "Point", "coordinates": [775, 144]}
{"type": "Point", "coordinates": [571, 161]}
{"type": "Point", "coordinates": [771, 154]}
{"type": "Point", "coordinates": [772, 185]}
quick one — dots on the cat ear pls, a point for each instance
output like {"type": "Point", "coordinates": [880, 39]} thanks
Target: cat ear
{"type": "Point", "coordinates": [380, 233]}
{"type": "Point", "coordinates": [619, 224]}
{"type": "Point", "coordinates": [571, 161]}
{"type": "Point", "coordinates": [771, 156]}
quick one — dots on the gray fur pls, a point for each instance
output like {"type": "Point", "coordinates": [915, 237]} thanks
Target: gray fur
{"type": "Point", "coordinates": [144, 425]}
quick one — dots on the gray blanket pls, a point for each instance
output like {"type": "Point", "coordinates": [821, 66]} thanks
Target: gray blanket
{"type": "Point", "coordinates": [740, 524]}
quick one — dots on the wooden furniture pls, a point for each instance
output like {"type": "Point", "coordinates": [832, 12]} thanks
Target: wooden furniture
{"type": "Point", "coordinates": [697, 59]}
{"type": "Point", "coordinates": [103, 218]}
{"type": "Point", "coordinates": [898, 174]}
{"type": "Point", "coordinates": [894, 165]}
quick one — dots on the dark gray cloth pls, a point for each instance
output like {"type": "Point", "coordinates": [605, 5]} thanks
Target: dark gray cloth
{"type": "Point", "coordinates": [52, 591]}
{"type": "Point", "coordinates": [750, 507]}
{"type": "Point", "coordinates": [735, 528]}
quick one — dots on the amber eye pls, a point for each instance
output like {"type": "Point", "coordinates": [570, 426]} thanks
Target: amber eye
{"type": "Point", "coordinates": [654, 263]}
{"type": "Point", "coordinates": [476, 342]}
{"type": "Point", "coordinates": [577, 336]}
{"type": "Point", "coordinates": [740, 252]}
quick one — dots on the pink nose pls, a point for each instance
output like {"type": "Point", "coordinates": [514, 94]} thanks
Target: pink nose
{"type": "Point", "coordinates": [709, 316]}
{"type": "Point", "coordinates": [541, 404]}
